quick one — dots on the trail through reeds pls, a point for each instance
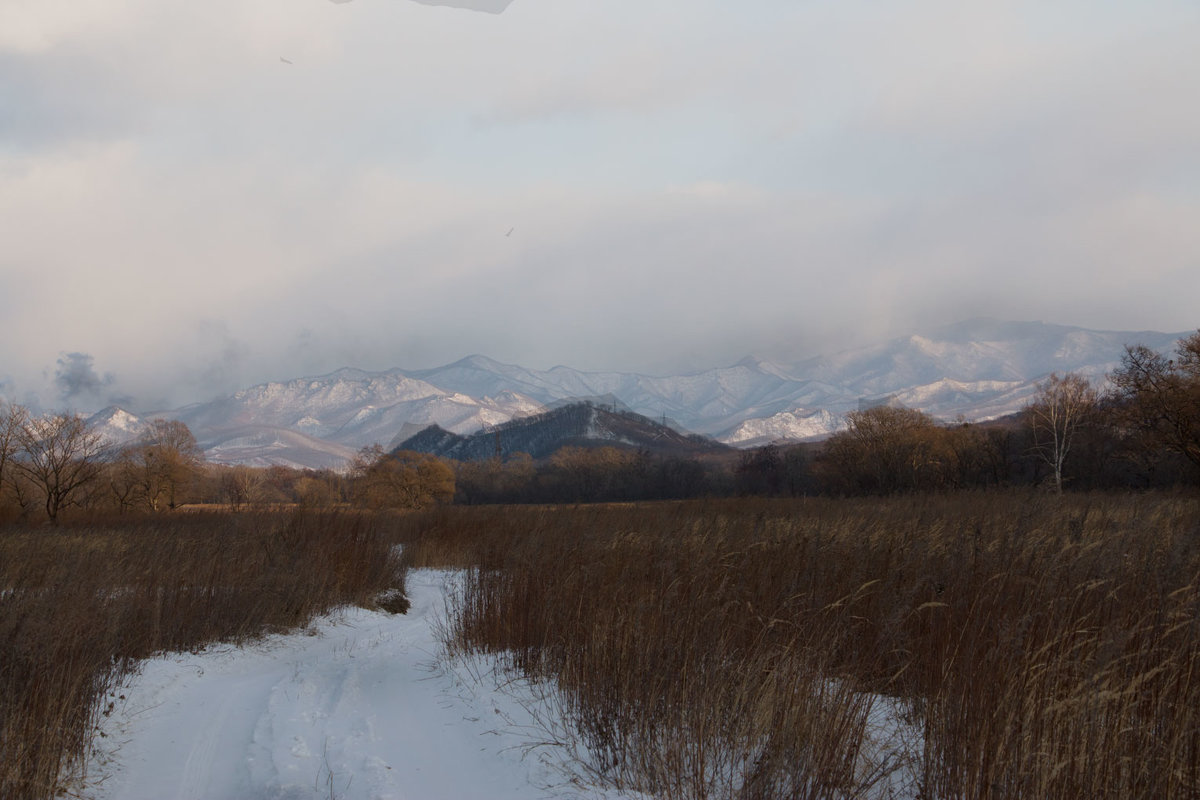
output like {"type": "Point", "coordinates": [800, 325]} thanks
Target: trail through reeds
{"type": "Point", "coordinates": [80, 604]}
{"type": "Point", "coordinates": [1012, 645]}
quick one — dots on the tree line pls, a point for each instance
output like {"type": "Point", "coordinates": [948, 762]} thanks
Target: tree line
{"type": "Point", "coordinates": [55, 464]}
{"type": "Point", "coordinates": [1141, 429]}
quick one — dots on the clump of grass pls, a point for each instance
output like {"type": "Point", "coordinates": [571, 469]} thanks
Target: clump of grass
{"type": "Point", "coordinates": [1037, 646]}
{"type": "Point", "coordinates": [80, 604]}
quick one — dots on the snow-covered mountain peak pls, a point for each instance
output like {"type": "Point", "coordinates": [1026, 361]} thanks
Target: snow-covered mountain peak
{"type": "Point", "coordinates": [764, 366]}
{"type": "Point", "coordinates": [935, 348]}
{"type": "Point", "coordinates": [751, 362]}
{"type": "Point", "coordinates": [116, 425]}
{"type": "Point", "coordinates": [121, 419]}
{"type": "Point", "coordinates": [976, 369]}
{"type": "Point", "coordinates": [477, 361]}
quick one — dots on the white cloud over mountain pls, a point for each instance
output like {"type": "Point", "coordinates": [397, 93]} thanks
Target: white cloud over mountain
{"type": "Point", "coordinates": [976, 370]}
{"type": "Point", "coordinates": [249, 191]}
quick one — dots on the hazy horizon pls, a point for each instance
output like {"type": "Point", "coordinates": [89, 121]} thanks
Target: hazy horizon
{"type": "Point", "coordinates": [83, 390]}
{"type": "Point", "coordinates": [199, 198]}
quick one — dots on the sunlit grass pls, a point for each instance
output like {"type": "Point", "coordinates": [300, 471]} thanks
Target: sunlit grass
{"type": "Point", "coordinates": [78, 606]}
{"type": "Point", "coordinates": [1035, 647]}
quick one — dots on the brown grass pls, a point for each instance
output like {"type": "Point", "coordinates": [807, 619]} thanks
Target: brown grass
{"type": "Point", "coordinates": [79, 604]}
{"type": "Point", "coordinates": [1038, 647]}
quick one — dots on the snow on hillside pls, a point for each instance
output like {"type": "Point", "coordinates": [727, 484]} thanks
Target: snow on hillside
{"type": "Point", "coordinates": [262, 446]}
{"type": "Point", "coordinates": [573, 424]}
{"type": "Point", "coordinates": [977, 350]}
{"type": "Point", "coordinates": [693, 399]}
{"type": "Point", "coordinates": [358, 707]}
{"type": "Point", "coordinates": [116, 426]}
{"type": "Point", "coordinates": [977, 370]}
{"type": "Point", "coordinates": [334, 415]}
{"type": "Point", "coordinates": [786, 425]}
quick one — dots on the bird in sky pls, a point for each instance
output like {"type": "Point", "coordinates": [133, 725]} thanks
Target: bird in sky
{"type": "Point", "coordinates": [510, 230]}
{"type": "Point", "coordinates": [284, 60]}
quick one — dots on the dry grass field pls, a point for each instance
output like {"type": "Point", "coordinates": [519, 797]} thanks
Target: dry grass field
{"type": "Point", "coordinates": [80, 603]}
{"type": "Point", "coordinates": [1028, 646]}
{"type": "Point", "coordinates": [970, 645]}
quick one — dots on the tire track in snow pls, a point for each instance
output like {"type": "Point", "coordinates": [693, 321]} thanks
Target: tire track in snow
{"type": "Point", "coordinates": [360, 712]}
{"type": "Point", "coordinates": [201, 754]}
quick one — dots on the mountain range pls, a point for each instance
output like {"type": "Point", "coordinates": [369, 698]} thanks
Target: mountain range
{"type": "Point", "coordinates": [579, 424]}
{"type": "Point", "coordinates": [975, 370]}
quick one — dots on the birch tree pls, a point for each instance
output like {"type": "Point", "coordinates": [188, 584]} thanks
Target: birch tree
{"type": "Point", "coordinates": [1062, 407]}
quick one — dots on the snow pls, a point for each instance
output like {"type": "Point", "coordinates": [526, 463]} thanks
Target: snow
{"type": "Point", "coordinates": [359, 707]}
{"type": "Point", "coordinates": [796, 425]}
{"type": "Point", "coordinates": [116, 425]}
{"type": "Point", "coordinates": [978, 370]}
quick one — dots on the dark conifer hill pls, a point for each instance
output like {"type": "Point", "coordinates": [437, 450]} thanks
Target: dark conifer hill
{"type": "Point", "coordinates": [582, 424]}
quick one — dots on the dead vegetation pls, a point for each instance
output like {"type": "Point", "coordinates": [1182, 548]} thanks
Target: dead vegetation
{"type": "Point", "coordinates": [79, 603]}
{"type": "Point", "coordinates": [1031, 646]}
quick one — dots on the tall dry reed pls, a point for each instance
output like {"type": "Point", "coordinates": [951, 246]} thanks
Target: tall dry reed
{"type": "Point", "coordinates": [79, 604]}
{"type": "Point", "coordinates": [1034, 646]}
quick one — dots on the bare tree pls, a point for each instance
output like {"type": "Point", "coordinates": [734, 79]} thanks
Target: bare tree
{"type": "Point", "coordinates": [1159, 398]}
{"type": "Point", "coordinates": [60, 456]}
{"type": "Point", "coordinates": [121, 475]}
{"type": "Point", "coordinates": [241, 486]}
{"type": "Point", "coordinates": [12, 421]}
{"type": "Point", "coordinates": [403, 479]}
{"type": "Point", "coordinates": [887, 449]}
{"type": "Point", "coordinates": [165, 459]}
{"type": "Point", "coordinates": [1062, 407]}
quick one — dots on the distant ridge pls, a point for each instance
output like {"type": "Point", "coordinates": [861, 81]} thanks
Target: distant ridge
{"type": "Point", "coordinates": [580, 424]}
{"type": "Point", "coordinates": [974, 370]}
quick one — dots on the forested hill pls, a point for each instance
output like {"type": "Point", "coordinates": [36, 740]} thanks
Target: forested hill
{"type": "Point", "coordinates": [582, 424]}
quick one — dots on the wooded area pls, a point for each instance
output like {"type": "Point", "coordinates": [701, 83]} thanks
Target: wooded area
{"type": "Point", "coordinates": [1140, 430]}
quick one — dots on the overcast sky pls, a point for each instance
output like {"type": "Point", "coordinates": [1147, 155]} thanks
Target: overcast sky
{"type": "Point", "coordinates": [198, 196]}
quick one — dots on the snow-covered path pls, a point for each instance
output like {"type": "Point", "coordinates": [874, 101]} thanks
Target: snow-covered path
{"type": "Point", "coordinates": [356, 708]}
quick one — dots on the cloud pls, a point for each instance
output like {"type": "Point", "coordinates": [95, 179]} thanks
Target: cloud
{"type": "Point", "coordinates": [31, 27]}
{"type": "Point", "coordinates": [80, 386]}
{"type": "Point", "coordinates": [487, 6]}
{"type": "Point", "coordinates": [221, 359]}
{"type": "Point", "coordinates": [76, 377]}
{"type": "Point", "coordinates": [686, 182]}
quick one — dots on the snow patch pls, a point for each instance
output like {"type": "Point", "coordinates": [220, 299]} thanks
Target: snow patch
{"type": "Point", "coordinates": [795, 425]}
{"type": "Point", "coordinates": [358, 706]}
